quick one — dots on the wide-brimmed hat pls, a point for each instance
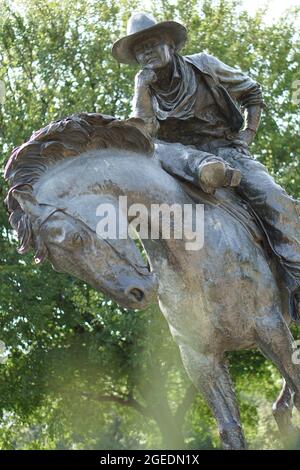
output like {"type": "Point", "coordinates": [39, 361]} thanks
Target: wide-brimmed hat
{"type": "Point", "coordinates": [141, 26]}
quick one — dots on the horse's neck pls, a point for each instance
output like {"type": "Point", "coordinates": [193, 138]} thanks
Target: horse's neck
{"type": "Point", "coordinates": [112, 174]}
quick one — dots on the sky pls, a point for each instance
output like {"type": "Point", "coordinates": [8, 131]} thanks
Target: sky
{"type": "Point", "coordinates": [275, 10]}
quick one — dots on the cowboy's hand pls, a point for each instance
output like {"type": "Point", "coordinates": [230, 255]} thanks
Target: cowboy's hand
{"type": "Point", "coordinates": [145, 77]}
{"type": "Point", "coordinates": [247, 135]}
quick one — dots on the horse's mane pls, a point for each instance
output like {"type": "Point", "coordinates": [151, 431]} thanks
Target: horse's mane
{"type": "Point", "coordinates": [61, 139]}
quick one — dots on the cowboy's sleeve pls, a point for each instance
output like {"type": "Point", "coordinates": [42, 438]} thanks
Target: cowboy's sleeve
{"type": "Point", "coordinates": [239, 85]}
{"type": "Point", "coordinates": [142, 108]}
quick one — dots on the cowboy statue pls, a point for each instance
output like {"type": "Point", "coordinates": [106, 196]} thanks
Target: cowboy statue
{"type": "Point", "coordinates": [199, 101]}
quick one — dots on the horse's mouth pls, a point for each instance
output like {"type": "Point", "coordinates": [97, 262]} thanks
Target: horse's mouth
{"type": "Point", "coordinates": [139, 295]}
{"type": "Point", "coordinates": [136, 294]}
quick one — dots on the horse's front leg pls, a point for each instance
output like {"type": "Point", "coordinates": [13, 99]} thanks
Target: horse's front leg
{"type": "Point", "coordinates": [211, 377]}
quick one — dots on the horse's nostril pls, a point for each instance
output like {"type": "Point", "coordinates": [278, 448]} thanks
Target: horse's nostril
{"type": "Point", "coordinates": [136, 294]}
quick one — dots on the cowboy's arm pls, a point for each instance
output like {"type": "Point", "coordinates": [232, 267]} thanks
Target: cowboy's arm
{"type": "Point", "coordinates": [142, 102]}
{"type": "Point", "coordinates": [253, 115]}
{"type": "Point", "coordinates": [244, 90]}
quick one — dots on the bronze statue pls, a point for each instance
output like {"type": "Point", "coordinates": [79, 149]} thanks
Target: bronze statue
{"type": "Point", "coordinates": [226, 296]}
{"type": "Point", "coordinates": [200, 101]}
{"type": "Point", "coordinates": [184, 145]}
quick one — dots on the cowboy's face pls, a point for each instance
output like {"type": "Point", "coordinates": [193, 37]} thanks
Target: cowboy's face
{"type": "Point", "coordinates": [153, 53]}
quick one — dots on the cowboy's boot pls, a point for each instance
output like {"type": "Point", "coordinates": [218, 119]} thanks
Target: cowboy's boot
{"type": "Point", "coordinates": [217, 174]}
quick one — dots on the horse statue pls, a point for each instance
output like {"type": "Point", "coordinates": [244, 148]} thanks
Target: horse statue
{"type": "Point", "coordinates": [223, 297]}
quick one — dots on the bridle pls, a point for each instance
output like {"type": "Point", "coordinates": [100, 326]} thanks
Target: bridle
{"type": "Point", "coordinates": [105, 240]}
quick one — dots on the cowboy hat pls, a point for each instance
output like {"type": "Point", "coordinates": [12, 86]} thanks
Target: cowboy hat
{"type": "Point", "coordinates": [141, 26]}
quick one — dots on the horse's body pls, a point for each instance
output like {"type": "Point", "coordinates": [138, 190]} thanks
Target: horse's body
{"type": "Point", "coordinates": [220, 298]}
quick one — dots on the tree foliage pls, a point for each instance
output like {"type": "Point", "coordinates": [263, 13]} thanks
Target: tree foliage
{"type": "Point", "coordinates": [82, 372]}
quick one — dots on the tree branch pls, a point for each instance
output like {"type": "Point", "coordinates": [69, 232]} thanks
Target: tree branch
{"type": "Point", "coordinates": [124, 401]}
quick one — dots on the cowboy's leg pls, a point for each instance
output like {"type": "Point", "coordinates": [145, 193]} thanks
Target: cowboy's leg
{"type": "Point", "coordinates": [279, 211]}
{"type": "Point", "coordinates": [201, 168]}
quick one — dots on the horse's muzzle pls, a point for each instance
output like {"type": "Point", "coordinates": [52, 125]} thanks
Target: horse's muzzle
{"type": "Point", "coordinates": [140, 295]}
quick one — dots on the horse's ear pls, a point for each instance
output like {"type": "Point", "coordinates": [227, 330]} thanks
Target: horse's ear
{"type": "Point", "coordinates": [27, 201]}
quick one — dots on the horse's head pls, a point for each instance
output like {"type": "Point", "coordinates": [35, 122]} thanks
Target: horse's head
{"type": "Point", "coordinates": [114, 267]}
{"type": "Point", "coordinates": [47, 221]}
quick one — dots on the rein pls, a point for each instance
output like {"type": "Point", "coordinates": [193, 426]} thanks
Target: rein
{"type": "Point", "coordinates": [120, 255]}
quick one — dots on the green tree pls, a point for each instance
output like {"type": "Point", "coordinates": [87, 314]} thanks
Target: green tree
{"type": "Point", "coordinates": [81, 371]}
